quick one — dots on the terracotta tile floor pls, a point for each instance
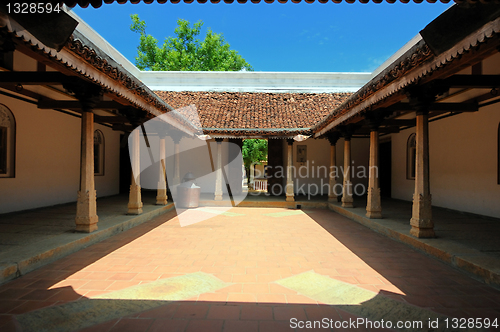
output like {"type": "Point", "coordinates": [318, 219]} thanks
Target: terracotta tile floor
{"type": "Point", "coordinates": [249, 251]}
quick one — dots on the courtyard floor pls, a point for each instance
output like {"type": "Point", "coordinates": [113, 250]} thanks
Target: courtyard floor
{"type": "Point", "coordinates": [249, 269]}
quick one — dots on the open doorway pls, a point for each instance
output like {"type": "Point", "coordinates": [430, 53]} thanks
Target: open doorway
{"type": "Point", "coordinates": [255, 158]}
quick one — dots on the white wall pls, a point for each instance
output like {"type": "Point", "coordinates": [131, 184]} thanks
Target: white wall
{"type": "Point", "coordinates": [194, 157]}
{"type": "Point", "coordinates": [108, 184]}
{"type": "Point", "coordinates": [463, 156]}
{"type": "Point", "coordinates": [48, 159]}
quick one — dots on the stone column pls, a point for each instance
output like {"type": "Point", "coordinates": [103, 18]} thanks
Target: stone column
{"type": "Point", "coordinates": [347, 200]}
{"type": "Point", "coordinates": [421, 222]}
{"type": "Point", "coordinates": [333, 138]}
{"type": "Point", "coordinates": [161, 197]}
{"type": "Point", "coordinates": [86, 209]}
{"type": "Point", "coordinates": [290, 196]}
{"type": "Point", "coordinates": [135, 201]}
{"type": "Point", "coordinates": [218, 171]}
{"type": "Point", "coordinates": [373, 207]}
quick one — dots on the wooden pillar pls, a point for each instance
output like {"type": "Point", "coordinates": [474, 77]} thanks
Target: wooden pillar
{"type": "Point", "coordinates": [290, 196]}
{"type": "Point", "coordinates": [161, 197]}
{"type": "Point", "coordinates": [86, 209]}
{"type": "Point", "coordinates": [333, 138]}
{"type": "Point", "coordinates": [177, 167]}
{"type": "Point", "coordinates": [373, 206]}
{"type": "Point", "coordinates": [347, 189]}
{"type": "Point", "coordinates": [135, 201]}
{"type": "Point", "coordinates": [218, 171]}
{"type": "Point", "coordinates": [421, 222]}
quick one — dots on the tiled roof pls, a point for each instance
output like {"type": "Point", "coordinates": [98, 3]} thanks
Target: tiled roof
{"type": "Point", "coordinates": [251, 114]}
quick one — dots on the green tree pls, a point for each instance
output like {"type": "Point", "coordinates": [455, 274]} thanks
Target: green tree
{"type": "Point", "coordinates": [185, 52]}
{"type": "Point", "coordinates": [253, 151]}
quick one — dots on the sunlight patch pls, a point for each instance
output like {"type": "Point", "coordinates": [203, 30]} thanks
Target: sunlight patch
{"type": "Point", "coordinates": [102, 308]}
{"type": "Point", "coordinates": [219, 211]}
{"type": "Point", "coordinates": [284, 213]}
{"type": "Point", "coordinates": [359, 301]}
{"type": "Point", "coordinates": [326, 290]}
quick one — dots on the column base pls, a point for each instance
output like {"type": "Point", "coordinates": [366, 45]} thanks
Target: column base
{"type": "Point", "coordinates": [373, 208]}
{"type": "Point", "coordinates": [86, 217]}
{"type": "Point", "coordinates": [161, 200]}
{"type": "Point", "coordinates": [347, 204]}
{"type": "Point", "coordinates": [161, 197]}
{"type": "Point", "coordinates": [290, 198]}
{"type": "Point", "coordinates": [218, 198]}
{"type": "Point", "coordinates": [422, 232]}
{"type": "Point", "coordinates": [135, 202]}
{"type": "Point", "coordinates": [421, 222]}
{"type": "Point", "coordinates": [86, 224]}
{"type": "Point", "coordinates": [332, 198]}
{"type": "Point", "coordinates": [134, 211]}
{"type": "Point", "coordinates": [161, 194]}
{"type": "Point", "coordinates": [374, 214]}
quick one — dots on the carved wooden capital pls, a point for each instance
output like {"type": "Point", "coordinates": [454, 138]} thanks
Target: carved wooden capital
{"type": "Point", "coordinates": [333, 137]}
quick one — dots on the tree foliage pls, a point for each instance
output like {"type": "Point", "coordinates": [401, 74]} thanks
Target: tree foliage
{"type": "Point", "coordinates": [254, 151]}
{"type": "Point", "coordinates": [186, 52]}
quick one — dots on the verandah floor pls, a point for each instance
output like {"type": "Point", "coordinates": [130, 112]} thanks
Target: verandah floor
{"type": "Point", "coordinates": [251, 270]}
{"type": "Point", "coordinates": [33, 238]}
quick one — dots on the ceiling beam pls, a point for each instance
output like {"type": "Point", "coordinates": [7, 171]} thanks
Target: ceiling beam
{"type": "Point", "coordinates": [110, 119]}
{"type": "Point", "coordinates": [122, 127]}
{"type": "Point", "coordinates": [473, 81]}
{"type": "Point", "coordinates": [398, 122]}
{"type": "Point", "coordinates": [382, 130]}
{"type": "Point", "coordinates": [438, 107]}
{"type": "Point", "coordinates": [76, 105]}
{"type": "Point", "coordinates": [23, 92]}
{"type": "Point", "coordinates": [35, 77]}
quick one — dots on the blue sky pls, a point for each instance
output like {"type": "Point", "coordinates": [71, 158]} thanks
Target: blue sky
{"type": "Point", "coordinates": [279, 37]}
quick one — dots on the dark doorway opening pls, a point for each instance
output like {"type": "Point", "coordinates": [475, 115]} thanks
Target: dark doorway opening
{"type": "Point", "coordinates": [385, 165]}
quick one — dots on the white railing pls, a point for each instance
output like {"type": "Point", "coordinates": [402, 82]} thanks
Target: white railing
{"type": "Point", "coordinates": [260, 185]}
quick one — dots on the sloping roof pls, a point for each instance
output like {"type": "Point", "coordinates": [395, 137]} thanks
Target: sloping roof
{"type": "Point", "coordinates": [82, 58]}
{"type": "Point", "coordinates": [256, 114]}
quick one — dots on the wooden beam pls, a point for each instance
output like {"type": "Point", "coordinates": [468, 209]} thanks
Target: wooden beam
{"type": "Point", "coordinates": [122, 127]}
{"type": "Point", "coordinates": [473, 81]}
{"type": "Point", "coordinates": [35, 78]}
{"type": "Point", "coordinates": [381, 130]}
{"type": "Point", "coordinates": [110, 119]}
{"type": "Point", "coordinates": [23, 92]}
{"type": "Point", "coordinates": [438, 107]}
{"type": "Point", "coordinates": [75, 105]}
{"type": "Point", "coordinates": [398, 122]}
